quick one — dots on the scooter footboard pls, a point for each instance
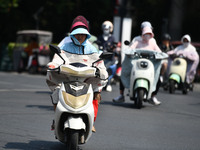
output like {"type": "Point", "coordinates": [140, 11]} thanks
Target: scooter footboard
{"type": "Point", "coordinates": [75, 123]}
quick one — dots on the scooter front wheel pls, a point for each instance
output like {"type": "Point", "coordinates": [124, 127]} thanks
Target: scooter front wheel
{"type": "Point", "coordinates": [72, 140]}
{"type": "Point", "coordinates": [139, 98]}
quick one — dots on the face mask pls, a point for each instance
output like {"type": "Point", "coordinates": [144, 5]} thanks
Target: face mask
{"type": "Point", "coordinates": [186, 44]}
{"type": "Point", "coordinates": [106, 31]}
{"type": "Point", "coordinates": [147, 37]}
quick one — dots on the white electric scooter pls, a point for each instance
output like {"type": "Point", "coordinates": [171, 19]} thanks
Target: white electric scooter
{"type": "Point", "coordinates": [143, 78]}
{"type": "Point", "coordinates": [177, 74]}
{"type": "Point", "coordinates": [74, 116]}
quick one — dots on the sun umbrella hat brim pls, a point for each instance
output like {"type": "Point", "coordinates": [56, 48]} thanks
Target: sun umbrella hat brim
{"type": "Point", "coordinates": [80, 31]}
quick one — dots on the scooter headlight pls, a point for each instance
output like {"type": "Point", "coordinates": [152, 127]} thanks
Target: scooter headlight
{"type": "Point", "coordinates": [177, 62]}
{"type": "Point", "coordinates": [144, 64]}
{"type": "Point", "coordinates": [75, 101]}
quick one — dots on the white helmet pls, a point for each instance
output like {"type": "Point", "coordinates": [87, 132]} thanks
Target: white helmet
{"type": "Point", "coordinates": [107, 25]}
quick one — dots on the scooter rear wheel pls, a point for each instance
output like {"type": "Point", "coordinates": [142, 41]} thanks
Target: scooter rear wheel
{"type": "Point", "coordinates": [184, 88]}
{"type": "Point", "coordinates": [171, 86]}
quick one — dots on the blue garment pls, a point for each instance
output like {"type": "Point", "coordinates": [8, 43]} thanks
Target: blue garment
{"type": "Point", "coordinates": [76, 48]}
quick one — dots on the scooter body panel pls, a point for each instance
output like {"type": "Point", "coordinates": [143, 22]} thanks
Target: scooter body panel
{"type": "Point", "coordinates": [142, 77]}
{"type": "Point", "coordinates": [179, 67]}
{"type": "Point", "coordinates": [175, 77]}
{"type": "Point", "coordinates": [74, 118]}
{"type": "Point", "coordinates": [75, 123]}
{"type": "Point", "coordinates": [141, 83]}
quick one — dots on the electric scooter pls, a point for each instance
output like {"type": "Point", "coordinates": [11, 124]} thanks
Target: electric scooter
{"type": "Point", "coordinates": [177, 74]}
{"type": "Point", "coordinates": [112, 63]}
{"type": "Point", "coordinates": [74, 115]}
{"type": "Point", "coordinates": [145, 70]}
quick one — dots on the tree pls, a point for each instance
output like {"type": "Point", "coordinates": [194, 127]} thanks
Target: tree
{"type": "Point", "coordinates": [176, 18]}
{"type": "Point", "coordinates": [7, 5]}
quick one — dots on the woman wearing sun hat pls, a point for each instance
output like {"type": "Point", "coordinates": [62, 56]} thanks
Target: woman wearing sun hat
{"type": "Point", "coordinates": [144, 41]}
{"type": "Point", "coordinates": [77, 43]}
{"type": "Point", "coordinates": [79, 35]}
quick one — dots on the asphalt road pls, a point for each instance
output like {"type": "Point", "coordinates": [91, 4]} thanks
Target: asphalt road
{"type": "Point", "coordinates": [26, 114]}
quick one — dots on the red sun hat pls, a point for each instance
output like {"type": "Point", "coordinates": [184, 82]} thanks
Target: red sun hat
{"type": "Point", "coordinates": [79, 22]}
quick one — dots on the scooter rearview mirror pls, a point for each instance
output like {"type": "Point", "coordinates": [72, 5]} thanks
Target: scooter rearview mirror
{"type": "Point", "coordinates": [105, 55]}
{"type": "Point", "coordinates": [126, 42]}
{"type": "Point", "coordinates": [56, 50]}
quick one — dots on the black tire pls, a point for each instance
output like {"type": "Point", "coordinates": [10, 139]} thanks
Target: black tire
{"type": "Point", "coordinates": [139, 99]}
{"type": "Point", "coordinates": [72, 140]}
{"type": "Point", "coordinates": [184, 91]}
{"type": "Point", "coordinates": [165, 88]}
{"type": "Point", "coordinates": [171, 86]}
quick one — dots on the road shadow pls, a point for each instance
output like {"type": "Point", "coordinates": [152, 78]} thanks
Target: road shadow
{"type": "Point", "coordinates": [49, 108]}
{"type": "Point", "coordinates": [43, 92]}
{"type": "Point", "coordinates": [125, 105]}
{"type": "Point", "coordinates": [177, 92]}
{"type": "Point", "coordinates": [35, 145]}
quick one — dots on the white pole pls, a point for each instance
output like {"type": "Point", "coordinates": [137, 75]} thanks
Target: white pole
{"type": "Point", "coordinates": [126, 34]}
{"type": "Point", "coordinates": [117, 25]}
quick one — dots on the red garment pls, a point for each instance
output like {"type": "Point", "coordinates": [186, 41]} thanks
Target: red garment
{"type": "Point", "coordinates": [95, 105]}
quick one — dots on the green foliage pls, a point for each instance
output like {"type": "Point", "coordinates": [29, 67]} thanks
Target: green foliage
{"type": "Point", "coordinates": [6, 5]}
{"type": "Point", "coordinates": [57, 16]}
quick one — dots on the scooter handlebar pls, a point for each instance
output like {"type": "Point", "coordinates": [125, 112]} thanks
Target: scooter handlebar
{"type": "Point", "coordinates": [144, 55]}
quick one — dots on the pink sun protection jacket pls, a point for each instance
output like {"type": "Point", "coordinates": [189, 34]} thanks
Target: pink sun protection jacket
{"type": "Point", "coordinates": [189, 52]}
{"type": "Point", "coordinates": [140, 43]}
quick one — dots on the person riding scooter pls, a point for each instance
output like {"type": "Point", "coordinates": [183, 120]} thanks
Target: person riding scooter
{"type": "Point", "coordinates": [79, 34]}
{"type": "Point", "coordinates": [106, 42]}
{"type": "Point", "coordinates": [145, 41]}
{"type": "Point", "coordinates": [165, 46]}
{"type": "Point", "coordinates": [187, 51]}
{"type": "Point", "coordinates": [29, 50]}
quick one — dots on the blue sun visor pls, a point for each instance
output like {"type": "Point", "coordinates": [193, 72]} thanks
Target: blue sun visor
{"type": "Point", "coordinates": [81, 31]}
